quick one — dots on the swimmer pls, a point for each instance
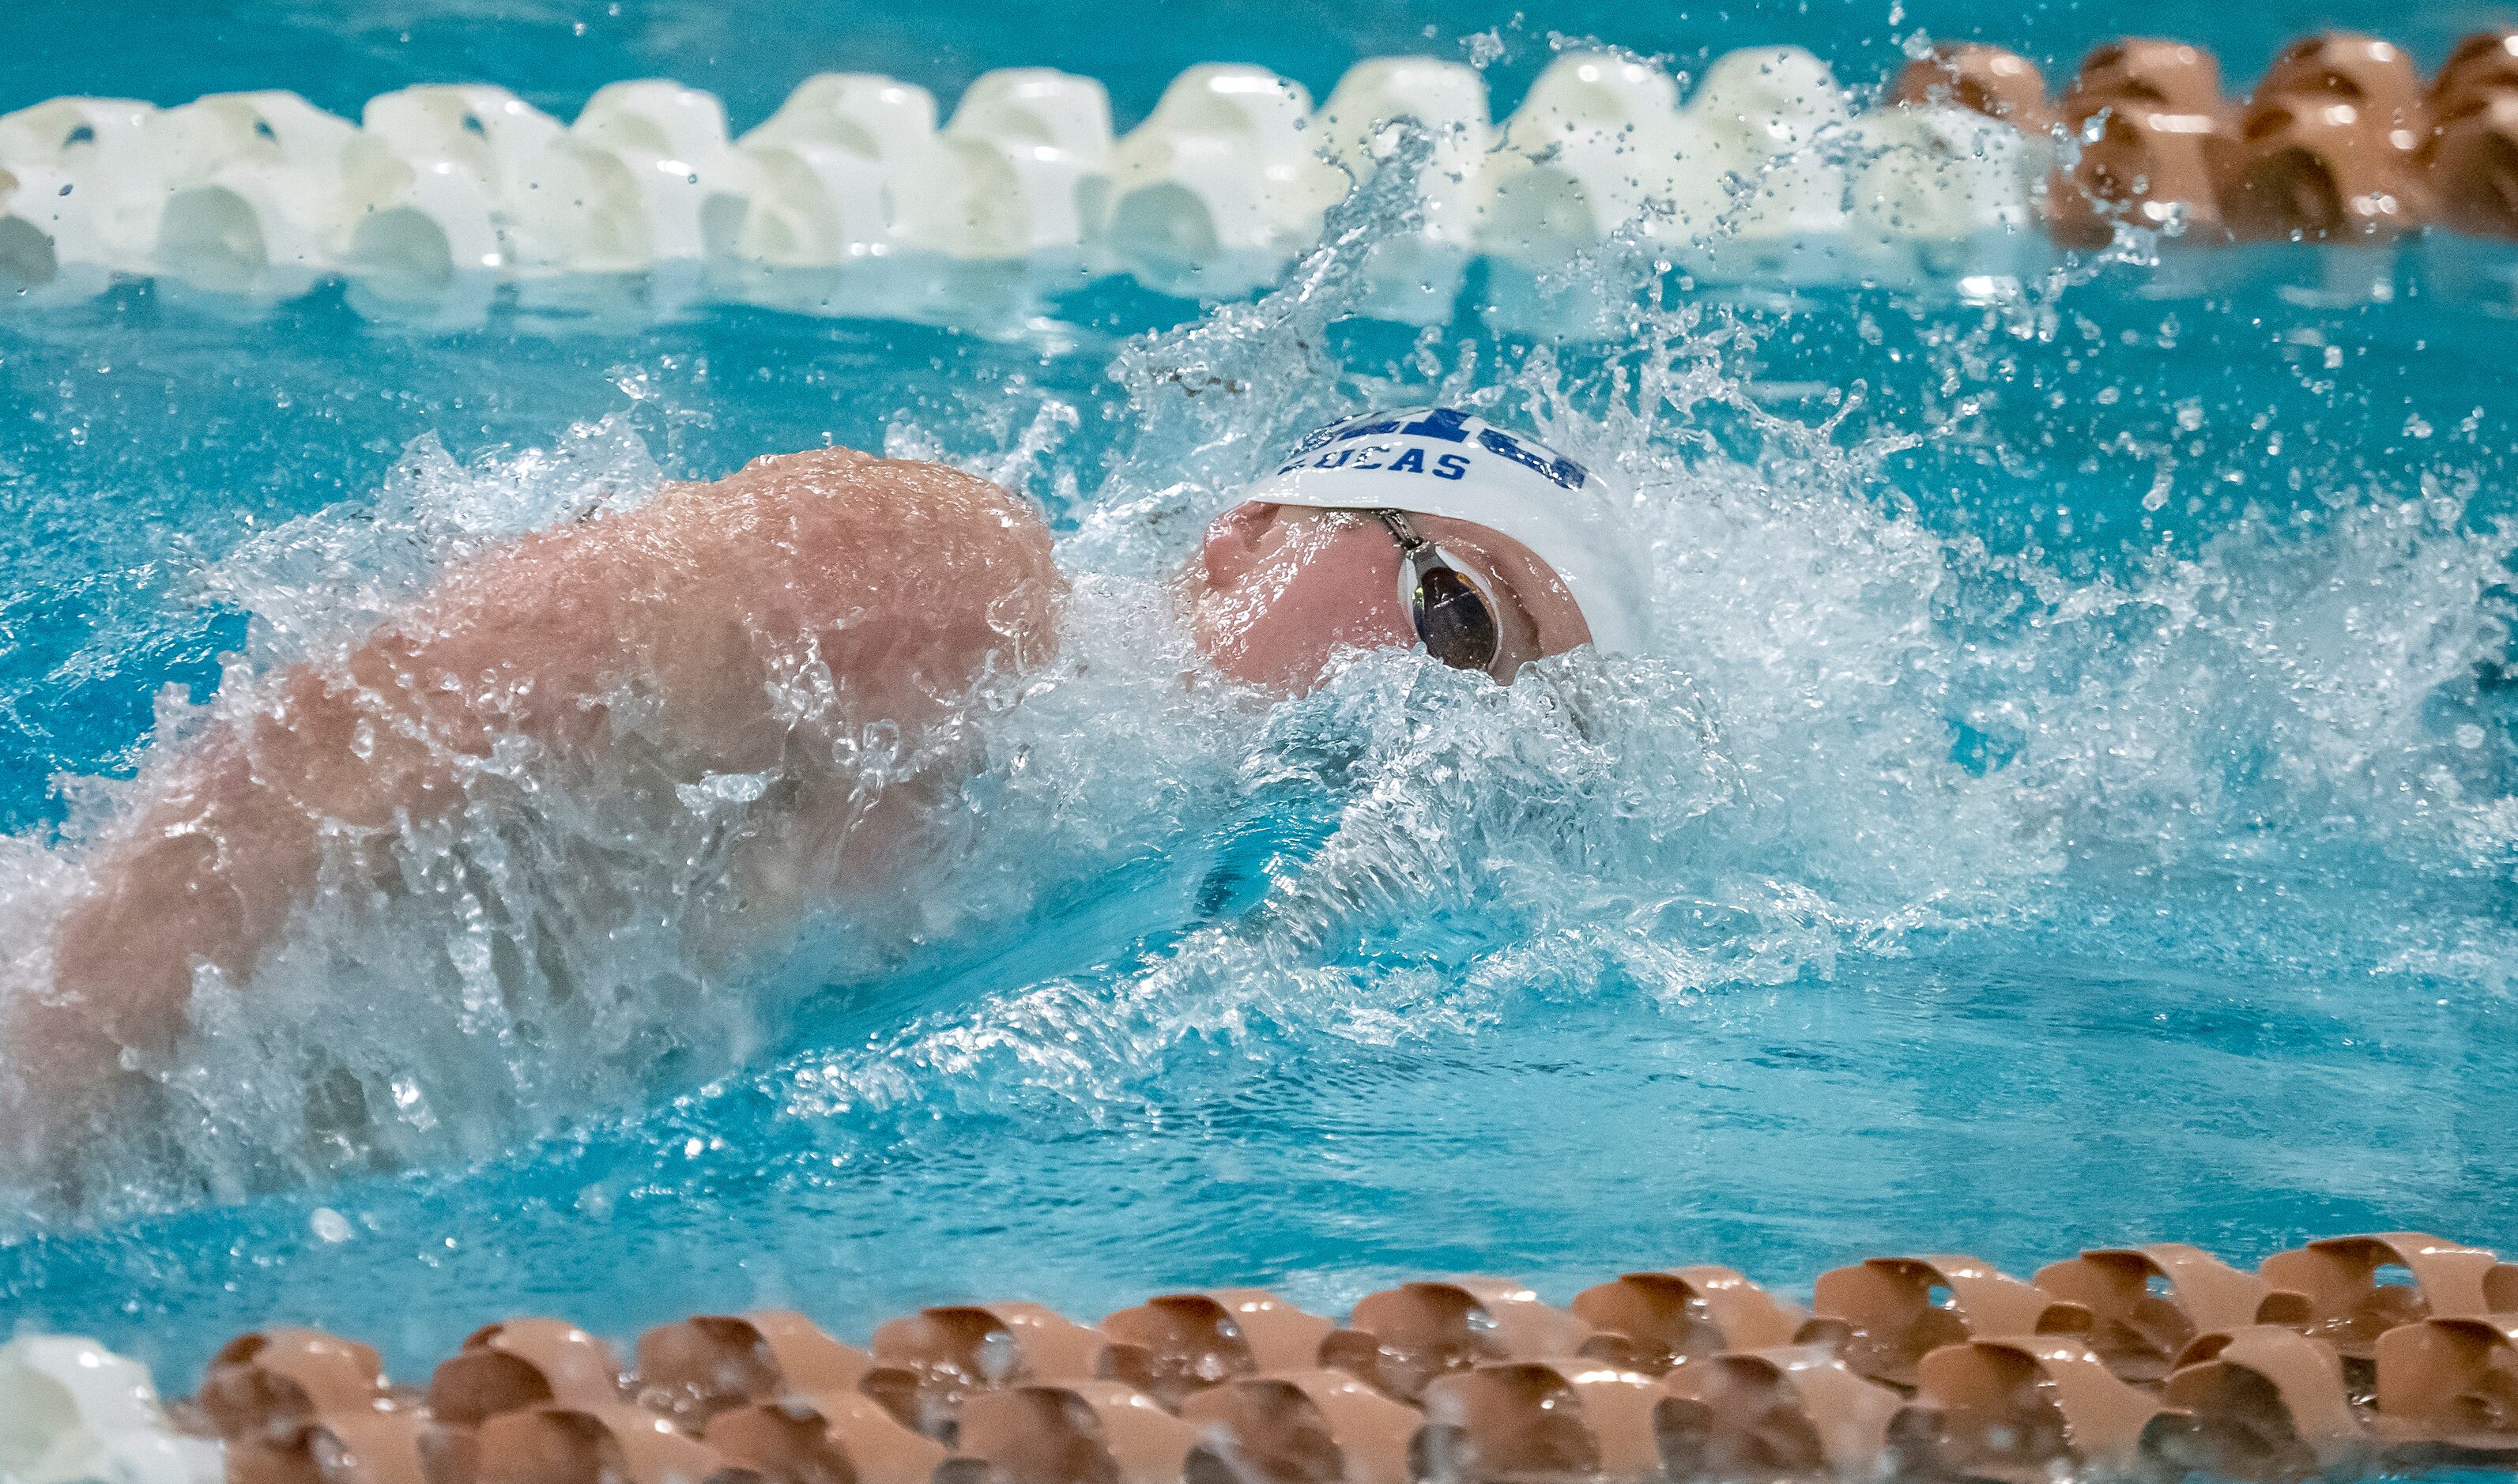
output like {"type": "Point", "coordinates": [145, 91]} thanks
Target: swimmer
{"type": "Point", "coordinates": [645, 648]}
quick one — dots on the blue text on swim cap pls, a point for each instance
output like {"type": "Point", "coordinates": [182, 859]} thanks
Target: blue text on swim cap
{"type": "Point", "coordinates": [1448, 424]}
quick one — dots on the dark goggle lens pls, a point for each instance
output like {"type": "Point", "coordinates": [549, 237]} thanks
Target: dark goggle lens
{"type": "Point", "coordinates": [1453, 620]}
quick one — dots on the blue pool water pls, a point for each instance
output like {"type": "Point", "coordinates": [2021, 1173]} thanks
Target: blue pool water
{"type": "Point", "coordinates": [2072, 797]}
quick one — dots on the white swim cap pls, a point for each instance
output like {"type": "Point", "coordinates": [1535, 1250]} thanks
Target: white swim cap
{"type": "Point", "coordinates": [1436, 460]}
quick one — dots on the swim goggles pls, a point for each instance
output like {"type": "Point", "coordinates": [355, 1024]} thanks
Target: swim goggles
{"type": "Point", "coordinates": [1454, 613]}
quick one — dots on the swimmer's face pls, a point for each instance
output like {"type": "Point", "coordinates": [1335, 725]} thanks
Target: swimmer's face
{"type": "Point", "coordinates": [1279, 590]}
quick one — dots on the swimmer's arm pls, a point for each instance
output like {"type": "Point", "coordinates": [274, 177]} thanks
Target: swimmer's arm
{"type": "Point", "coordinates": [902, 580]}
{"type": "Point", "coordinates": [226, 845]}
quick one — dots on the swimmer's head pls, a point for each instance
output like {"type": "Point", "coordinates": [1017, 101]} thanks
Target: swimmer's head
{"type": "Point", "coordinates": [1426, 527]}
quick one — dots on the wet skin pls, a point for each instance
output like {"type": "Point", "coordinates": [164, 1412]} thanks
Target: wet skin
{"type": "Point", "coordinates": [1277, 592]}
{"type": "Point", "coordinates": [645, 642]}
{"type": "Point", "coordinates": [651, 641]}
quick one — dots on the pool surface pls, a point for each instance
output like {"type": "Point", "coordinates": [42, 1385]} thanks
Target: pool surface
{"type": "Point", "coordinates": [2070, 799]}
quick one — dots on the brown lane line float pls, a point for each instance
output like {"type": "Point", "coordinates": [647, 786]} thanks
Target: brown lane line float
{"type": "Point", "coordinates": [2395, 1350]}
{"type": "Point", "coordinates": [1984, 79]}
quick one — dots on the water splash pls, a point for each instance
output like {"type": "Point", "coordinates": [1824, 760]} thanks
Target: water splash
{"type": "Point", "coordinates": [1860, 736]}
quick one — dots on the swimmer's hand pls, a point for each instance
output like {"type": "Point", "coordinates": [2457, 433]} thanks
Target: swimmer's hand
{"type": "Point", "coordinates": [905, 581]}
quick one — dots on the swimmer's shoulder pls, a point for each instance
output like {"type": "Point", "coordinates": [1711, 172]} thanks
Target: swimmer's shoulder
{"type": "Point", "coordinates": [836, 534]}
{"type": "Point", "coordinates": [835, 490]}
